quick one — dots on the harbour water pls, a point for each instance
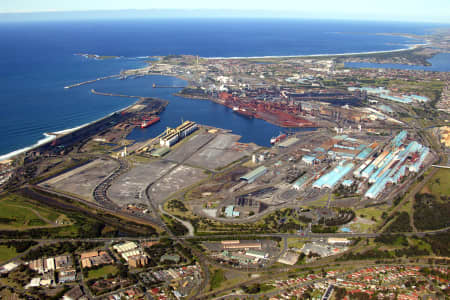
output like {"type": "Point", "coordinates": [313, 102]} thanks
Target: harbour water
{"type": "Point", "coordinates": [37, 60]}
{"type": "Point", "coordinates": [439, 63]}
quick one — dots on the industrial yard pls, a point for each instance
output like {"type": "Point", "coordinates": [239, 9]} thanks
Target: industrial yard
{"type": "Point", "coordinates": [218, 178]}
{"type": "Point", "coordinates": [83, 180]}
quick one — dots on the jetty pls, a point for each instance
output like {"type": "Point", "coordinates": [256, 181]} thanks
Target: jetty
{"type": "Point", "coordinates": [90, 81]}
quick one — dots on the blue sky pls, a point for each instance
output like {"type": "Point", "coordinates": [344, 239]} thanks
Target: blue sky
{"type": "Point", "coordinates": [400, 10]}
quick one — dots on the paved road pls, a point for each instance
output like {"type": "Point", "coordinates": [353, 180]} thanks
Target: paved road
{"type": "Point", "coordinates": [229, 236]}
{"type": "Point", "coordinates": [188, 225]}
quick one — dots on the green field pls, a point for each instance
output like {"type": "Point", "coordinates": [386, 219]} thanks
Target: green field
{"type": "Point", "coordinates": [374, 211]}
{"type": "Point", "coordinates": [295, 243]}
{"type": "Point", "coordinates": [17, 213]}
{"type": "Point", "coordinates": [217, 277]}
{"type": "Point", "coordinates": [102, 272]}
{"type": "Point", "coordinates": [7, 253]}
{"type": "Point", "coordinates": [439, 184]}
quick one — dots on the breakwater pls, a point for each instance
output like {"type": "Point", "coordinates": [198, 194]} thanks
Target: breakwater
{"type": "Point", "coordinates": [90, 81]}
{"type": "Point", "coordinates": [93, 91]}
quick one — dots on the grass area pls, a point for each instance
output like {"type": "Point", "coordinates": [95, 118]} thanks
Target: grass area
{"type": "Point", "coordinates": [295, 243]}
{"type": "Point", "coordinates": [102, 272]}
{"type": "Point", "coordinates": [420, 244]}
{"type": "Point", "coordinates": [283, 220]}
{"type": "Point", "coordinates": [7, 253]}
{"type": "Point", "coordinates": [17, 213]}
{"type": "Point", "coordinates": [217, 277]}
{"type": "Point", "coordinates": [439, 184]}
{"type": "Point", "coordinates": [98, 147]}
{"type": "Point", "coordinates": [406, 207]}
{"type": "Point", "coordinates": [361, 227]}
{"type": "Point", "coordinates": [80, 220]}
{"type": "Point", "coordinates": [372, 212]}
{"type": "Point", "coordinates": [177, 208]}
{"type": "Point", "coordinates": [233, 278]}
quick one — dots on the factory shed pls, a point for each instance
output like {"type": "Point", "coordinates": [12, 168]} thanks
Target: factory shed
{"type": "Point", "coordinates": [347, 183]}
{"type": "Point", "coordinates": [309, 160]}
{"type": "Point", "coordinates": [160, 152]}
{"type": "Point", "coordinates": [300, 182]}
{"type": "Point", "coordinates": [253, 175]}
{"type": "Point", "coordinates": [257, 254]}
{"type": "Point", "coordinates": [364, 154]}
{"type": "Point", "coordinates": [330, 179]}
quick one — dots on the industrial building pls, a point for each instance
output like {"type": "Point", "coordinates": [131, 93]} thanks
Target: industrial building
{"type": "Point", "coordinates": [330, 179]}
{"type": "Point", "coordinates": [257, 254]}
{"type": "Point", "coordinates": [347, 182]}
{"type": "Point", "coordinates": [138, 261]}
{"type": "Point", "coordinates": [253, 175]}
{"type": "Point", "coordinates": [160, 152]}
{"type": "Point", "coordinates": [128, 246]}
{"type": "Point", "coordinates": [309, 160]}
{"type": "Point", "coordinates": [172, 136]}
{"type": "Point", "coordinates": [339, 241]}
{"type": "Point", "coordinates": [299, 183]}
{"type": "Point", "coordinates": [238, 245]}
{"type": "Point", "coordinates": [392, 164]}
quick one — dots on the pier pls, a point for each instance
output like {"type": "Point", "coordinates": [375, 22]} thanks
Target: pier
{"type": "Point", "coordinates": [90, 81]}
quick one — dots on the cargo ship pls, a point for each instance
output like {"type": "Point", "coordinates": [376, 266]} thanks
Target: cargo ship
{"type": "Point", "coordinates": [278, 139]}
{"type": "Point", "coordinates": [149, 122]}
{"type": "Point", "coordinates": [243, 112]}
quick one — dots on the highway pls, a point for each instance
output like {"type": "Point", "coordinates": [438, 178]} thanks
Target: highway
{"type": "Point", "coordinates": [233, 236]}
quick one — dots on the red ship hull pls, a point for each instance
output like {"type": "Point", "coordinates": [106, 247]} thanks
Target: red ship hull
{"type": "Point", "coordinates": [147, 123]}
{"type": "Point", "coordinates": [245, 113]}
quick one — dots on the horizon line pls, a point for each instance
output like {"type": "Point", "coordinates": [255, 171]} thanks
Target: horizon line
{"type": "Point", "coordinates": [244, 14]}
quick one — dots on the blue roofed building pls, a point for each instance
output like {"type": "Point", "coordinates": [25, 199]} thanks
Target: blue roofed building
{"type": "Point", "coordinates": [309, 159]}
{"type": "Point", "coordinates": [347, 183]}
{"type": "Point", "coordinates": [299, 183]}
{"type": "Point", "coordinates": [330, 179]}
{"type": "Point", "coordinates": [253, 175]}
{"type": "Point", "coordinates": [400, 138]}
{"type": "Point", "coordinates": [364, 154]}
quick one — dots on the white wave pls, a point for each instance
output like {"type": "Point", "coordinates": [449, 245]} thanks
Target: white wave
{"type": "Point", "coordinates": [48, 138]}
{"type": "Point", "coordinates": [410, 47]}
{"type": "Point", "coordinates": [52, 135]}
{"type": "Point", "coordinates": [66, 131]}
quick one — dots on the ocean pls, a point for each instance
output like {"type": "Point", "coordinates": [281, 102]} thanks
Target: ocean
{"type": "Point", "coordinates": [37, 60]}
